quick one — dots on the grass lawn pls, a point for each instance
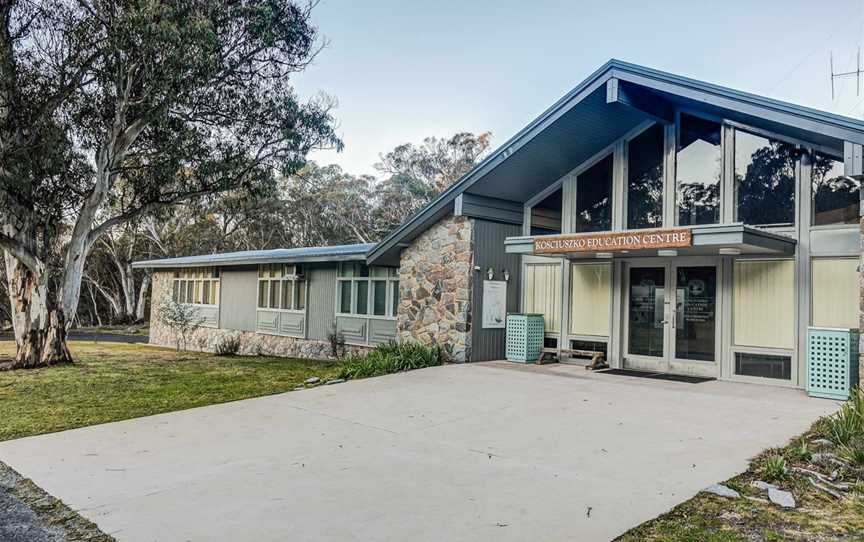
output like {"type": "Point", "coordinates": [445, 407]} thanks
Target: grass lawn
{"type": "Point", "coordinates": [111, 382]}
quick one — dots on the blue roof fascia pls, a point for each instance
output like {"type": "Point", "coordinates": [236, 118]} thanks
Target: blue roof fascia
{"type": "Point", "coordinates": [250, 257]}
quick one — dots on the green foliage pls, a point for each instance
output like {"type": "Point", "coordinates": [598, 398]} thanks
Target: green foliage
{"type": "Point", "coordinates": [391, 358]}
{"type": "Point", "coordinates": [846, 424]}
{"type": "Point", "coordinates": [774, 468]}
{"type": "Point", "coordinates": [181, 319]}
{"type": "Point", "coordinates": [802, 450]}
{"type": "Point", "coordinates": [853, 451]}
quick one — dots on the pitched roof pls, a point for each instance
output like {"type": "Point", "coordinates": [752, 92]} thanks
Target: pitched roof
{"type": "Point", "coordinates": [279, 255]}
{"type": "Point", "coordinates": [821, 126]}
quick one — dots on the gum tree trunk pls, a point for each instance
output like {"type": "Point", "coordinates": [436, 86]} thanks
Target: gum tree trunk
{"type": "Point", "coordinates": [40, 332]}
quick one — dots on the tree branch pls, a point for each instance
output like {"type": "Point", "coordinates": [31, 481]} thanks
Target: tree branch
{"type": "Point", "coordinates": [22, 253]}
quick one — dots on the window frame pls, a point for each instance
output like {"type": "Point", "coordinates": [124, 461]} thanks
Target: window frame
{"type": "Point", "coordinates": [391, 280]}
{"type": "Point", "coordinates": [293, 279]}
{"type": "Point", "coordinates": [733, 188]}
{"type": "Point", "coordinates": [190, 280]}
{"type": "Point", "coordinates": [811, 152]}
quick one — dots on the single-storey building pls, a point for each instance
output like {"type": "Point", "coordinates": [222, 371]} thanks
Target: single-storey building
{"type": "Point", "coordinates": [675, 225]}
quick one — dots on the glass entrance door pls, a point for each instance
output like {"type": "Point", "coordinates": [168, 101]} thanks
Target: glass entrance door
{"type": "Point", "coordinates": [671, 316]}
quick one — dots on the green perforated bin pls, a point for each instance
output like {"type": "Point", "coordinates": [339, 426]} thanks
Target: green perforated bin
{"type": "Point", "coordinates": [525, 334]}
{"type": "Point", "coordinates": [832, 362]}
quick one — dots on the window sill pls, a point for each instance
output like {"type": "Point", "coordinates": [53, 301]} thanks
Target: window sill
{"type": "Point", "coordinates": [287, 311]}
{"type": "Point", "coordinates": [366, 316]}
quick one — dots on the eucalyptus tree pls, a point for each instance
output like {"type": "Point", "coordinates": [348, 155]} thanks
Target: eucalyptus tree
{"type": "Point", "coordinates": [111, 110]}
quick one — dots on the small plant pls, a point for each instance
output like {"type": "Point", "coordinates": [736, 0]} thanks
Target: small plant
{"type": "Point", "coordinates": [337, 343]}
{"type": "Point", "coordinates": [854, 452]}
{"type": "Point", "coordinates": [181, 319]}
{"type": "Point", "coordinates": [228, 346]}
{"type": "Point", "coordinates": [802, 450]}
{"type": "Point", "coordinates": [774, 468]}
{"type": "Point", "coordinates": [846, 424]}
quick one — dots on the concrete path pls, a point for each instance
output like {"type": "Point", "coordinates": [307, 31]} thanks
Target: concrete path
{"type": "Point", "coordinates": [490, 451]}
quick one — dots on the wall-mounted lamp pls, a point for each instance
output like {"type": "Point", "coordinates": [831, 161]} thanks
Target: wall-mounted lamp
{"type": "Point", "coordinates": [604, 255]}
{"type": "Point", "coordinates": [729, 251]}
{"type": "Point", "coordinates": [667, 253]}
{"type": "Point", "coordinates": [490, 273]}
{"type": "Point", "coordinates": [506, 274]}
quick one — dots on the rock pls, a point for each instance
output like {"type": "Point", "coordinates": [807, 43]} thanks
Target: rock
{"type": "Point", "coordinates": [335, 381]}
{"type": "Point", "coordinates": [298, 388]}
{"type": "Point", "coordinates": [764, 486]}
{"type": "Point", "coordinates": [723, 491]}
{"type": "Point", "coordinates": [825, 459]}
{"type": "Point", "coordinates": [823, 442]}
{"type": "Point", "coordinates": [313, 380]}
{"type": "Point", "coordinates": [781, 498]}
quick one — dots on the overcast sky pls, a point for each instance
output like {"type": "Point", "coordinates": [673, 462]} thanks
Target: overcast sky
{"type": "Point", "coordinates": [403, 70]}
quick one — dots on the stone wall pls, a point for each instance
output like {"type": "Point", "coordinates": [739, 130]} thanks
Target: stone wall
{"type": "Point", "coordinates": [206, 339]}
{"type": "Point", "coordinates": [435, 281]}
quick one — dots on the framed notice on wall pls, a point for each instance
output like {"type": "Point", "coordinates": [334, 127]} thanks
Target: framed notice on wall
{"type": "Point", "coordinates": [494, 304]}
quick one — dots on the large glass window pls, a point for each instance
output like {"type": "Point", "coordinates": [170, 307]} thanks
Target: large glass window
{"type": "Point", "coordinates": [698, 168]}
{"type": "Point", "coordinates": [835, 292]}
{"type": "Point", "coordinates": [366, 291]}
{"type": "Point", "coordinates": [546, 215]}
{"type": "Point", "coordinates": [764, 179]}
{"type": "Point", "coordinates": [645, 179]}
{"type": "Point", "coordinates": [198, 286]}
{"type": "Point", "coordinates": [281, 287]}
{"type": "Point", "coordinates": [835, 196]}
{"type": "Point", "coordinates": [594, 197]}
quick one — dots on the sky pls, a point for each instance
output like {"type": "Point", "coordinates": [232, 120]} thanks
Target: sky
{"type": "Point", "coordinates": [405, 70]}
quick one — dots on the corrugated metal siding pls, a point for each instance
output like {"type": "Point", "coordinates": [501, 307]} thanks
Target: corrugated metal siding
{"type": "Point", "coordinates": [488, 344]}
{"type": "Point", "coordinates": [321, 306]}
{"type": "Point", "coordinates": [238, 299]}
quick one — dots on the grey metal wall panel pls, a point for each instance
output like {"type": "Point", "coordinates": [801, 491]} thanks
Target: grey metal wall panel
{"type": "Point", "coordinates": [382, 331]}
{"type": "Point", "coordinates": [210, 316]}
{"type": "Point", "coordinates": [238, 299]}
{"type": "Point", "coordinates": [268, 322]}
{"type": "Point", "coordinates": [292, 324]}
{"type": "Point", "coordinates": [353, 329]}
{"type": "Point", "coordinates": [488, 344]}
{"type": "Point", "coordinates": [321, 305]}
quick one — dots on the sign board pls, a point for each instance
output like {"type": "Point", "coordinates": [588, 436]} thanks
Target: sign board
{"type": "Point", "coordinates": [613, 241]}
{"type": "Point", "coordinates": [494, 304]}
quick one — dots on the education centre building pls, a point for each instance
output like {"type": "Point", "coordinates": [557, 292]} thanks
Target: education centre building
{"type": "Point", "coordinates": [674, 225]}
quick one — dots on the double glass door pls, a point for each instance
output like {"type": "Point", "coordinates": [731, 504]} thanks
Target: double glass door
{"type": "Point", "coordinates": [671, 317]}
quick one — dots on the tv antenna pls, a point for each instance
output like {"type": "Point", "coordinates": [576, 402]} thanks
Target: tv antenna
{"type": "Point", "coordinates": [857, 73]}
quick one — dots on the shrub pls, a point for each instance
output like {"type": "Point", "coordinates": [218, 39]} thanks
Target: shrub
{"type": "Point", "coordinates": [337, 343]}
{"type": "Point", "coordinates": [181, 319]}
{"type": "Point", "coordinates": [391, 358]}
{"type": "Point", "coordinates": [228, 346]}
{"type": "Point", "coordinates": [774, 468]}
